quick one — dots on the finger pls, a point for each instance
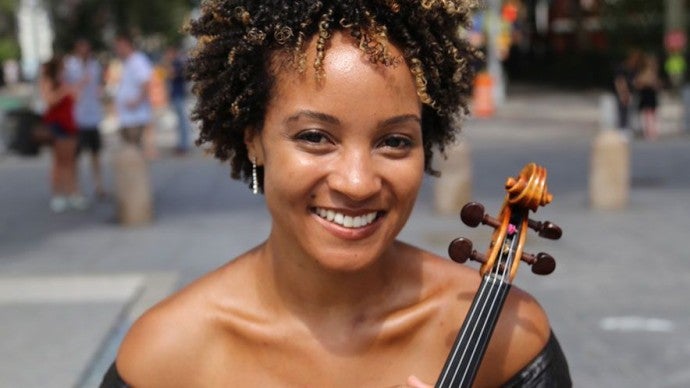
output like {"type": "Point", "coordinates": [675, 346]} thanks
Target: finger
{"type": "Point", "coordinates": [414, 382]}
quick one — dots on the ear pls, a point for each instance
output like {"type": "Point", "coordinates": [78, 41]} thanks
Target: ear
{"type": "Point", "coordinates": [252, 140]}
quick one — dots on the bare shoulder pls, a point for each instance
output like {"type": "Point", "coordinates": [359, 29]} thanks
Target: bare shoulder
{"type": "Point", "coordinates": [523, 327]}
{"type": "Point", "coordinates": [445, 277]}
{"type": "Point", "coordinates": [167, 345]}
{"type": "Point", "coordinates": [152, 347]}
{"type": "Point", "coordinates": [521, 333]}
{"type": "Point", "coordinates": [522, 321]}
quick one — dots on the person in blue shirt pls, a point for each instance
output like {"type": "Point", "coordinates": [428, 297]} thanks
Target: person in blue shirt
{"type": "Point", "coordinates": [85, 72]}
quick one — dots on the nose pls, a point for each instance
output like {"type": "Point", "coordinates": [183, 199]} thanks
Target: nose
{"type": "Point", "coordinates": [354, 175]}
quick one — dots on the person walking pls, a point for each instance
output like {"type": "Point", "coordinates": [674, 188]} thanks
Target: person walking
{"type": "Point", "coordinates": [132, 102]}
{"type": "Point", "coordinates": [86, 75]}
{"type": "Point", "coordinates": [174, 63]}
{"type": "Point", "coordinates": [624, 88]}
{"type": "Point", "coordinates": [58, 97]}
{"type": "Point", "coordinates": [648, 84]}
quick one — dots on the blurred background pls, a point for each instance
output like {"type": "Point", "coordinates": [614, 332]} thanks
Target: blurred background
{"type": "Point", "coordinates": [539, 40]}
{"type": "Point", "coordinates": [548, 91]}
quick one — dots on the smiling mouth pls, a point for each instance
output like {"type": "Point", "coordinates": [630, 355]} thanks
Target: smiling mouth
{"type": "Point", "coordinates": [346, 221]}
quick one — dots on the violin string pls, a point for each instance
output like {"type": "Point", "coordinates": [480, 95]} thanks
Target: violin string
{"type": "Point", "coordinates": [468, 331]}
{"type": "Point", "coordinates": [475, 323]}
{"type": "Point", "coordinates": [499, 275]}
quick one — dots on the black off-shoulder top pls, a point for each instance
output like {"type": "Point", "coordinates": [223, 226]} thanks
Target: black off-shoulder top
{"type": "Point", "coordinates": [549, 369]}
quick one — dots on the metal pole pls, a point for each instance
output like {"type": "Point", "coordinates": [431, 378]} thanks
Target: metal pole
{"type": "Point", "coordinates": [675, 21]}
{"type": "Point", "coordinates": [675, 15]}
{"type": "Point", "coordinates": [493, 21]}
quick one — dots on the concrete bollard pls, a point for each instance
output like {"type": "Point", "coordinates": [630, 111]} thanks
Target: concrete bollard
{"type": "Point", "coordinates": [132, 186]}
{"type": "Point", "coordinates": [609, 175]}
{"type": "Point", "coordinates": [608, 115]}
{"type": "Point", "coordinates": [453, 189]}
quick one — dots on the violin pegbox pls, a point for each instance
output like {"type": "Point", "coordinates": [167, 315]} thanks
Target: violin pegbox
{"type": "Point", "coordinates": [527, 191]}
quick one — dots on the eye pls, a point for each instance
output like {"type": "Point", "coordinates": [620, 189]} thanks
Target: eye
{"type": "Point", "coordinates": [312, 137]}
{"type": "Point", "coordinates": [397, 142]}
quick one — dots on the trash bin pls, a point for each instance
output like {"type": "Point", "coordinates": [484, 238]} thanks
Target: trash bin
{"type": "Point", "coordinates": [18, 127]}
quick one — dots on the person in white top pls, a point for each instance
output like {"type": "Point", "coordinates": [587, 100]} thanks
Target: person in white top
{"type": "Point", "coordinates": [85, 73]}
{"type": "Point", "coordinates": [132, 101]}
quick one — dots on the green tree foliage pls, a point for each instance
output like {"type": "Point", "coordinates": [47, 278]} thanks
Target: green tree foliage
{"type": "Point", "coordinates": [99, 20]}
{"type": "Point", "coordinates": [8, 26]}
{"type": "Point", "coordinates": [633, 24]}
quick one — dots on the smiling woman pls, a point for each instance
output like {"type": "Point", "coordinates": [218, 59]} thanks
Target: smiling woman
{"type": "Point", "coordinates": [332, 110]}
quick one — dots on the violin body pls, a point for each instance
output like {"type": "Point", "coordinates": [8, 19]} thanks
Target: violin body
{"type": "Point", "coordinates": [499, 266]}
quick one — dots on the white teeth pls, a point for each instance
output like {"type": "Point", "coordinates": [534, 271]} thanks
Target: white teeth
{"type": "Point", "coordinates": [346, 221]}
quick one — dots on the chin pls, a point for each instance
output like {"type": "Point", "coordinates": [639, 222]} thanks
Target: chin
{"type": "Point", "coordinates": [347, 259]}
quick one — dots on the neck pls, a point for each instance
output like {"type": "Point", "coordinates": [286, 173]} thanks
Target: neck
{"type": "Point", "coordinates": [308, 289]}
{"type": "Point", "coordinates": [345, 311]}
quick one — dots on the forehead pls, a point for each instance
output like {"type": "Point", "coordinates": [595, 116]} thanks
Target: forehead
{"type": "Point", "coordinates": [341, 69]}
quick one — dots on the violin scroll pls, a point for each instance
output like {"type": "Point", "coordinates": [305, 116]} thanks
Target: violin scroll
{"type": "Point", "coordinates": [527, 191]}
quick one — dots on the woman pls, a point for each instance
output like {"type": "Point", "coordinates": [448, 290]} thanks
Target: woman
{"type": "Point", "coordinates": [59, 118]}
{"type": "Point", "coordinates": [331, 109]}
{"type": "Point", "coordinates": [648, 84]}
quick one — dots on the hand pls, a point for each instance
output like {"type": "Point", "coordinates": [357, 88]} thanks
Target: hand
{"type": "Point", "coordinates": [414, 382]}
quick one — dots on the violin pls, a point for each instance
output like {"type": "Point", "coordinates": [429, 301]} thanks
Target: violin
{"type": "Point", "coordinates": [499, 266]}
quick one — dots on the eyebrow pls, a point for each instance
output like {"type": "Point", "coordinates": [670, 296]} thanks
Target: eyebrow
{"type": "Point", "coordinates": [310, 114]}
{"type": "Point", "coordinates": [334, 120]}
{"type": "Point", "coordinates": [400, 120]}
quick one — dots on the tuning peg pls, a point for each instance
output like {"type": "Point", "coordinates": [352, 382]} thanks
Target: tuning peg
{"type": "Point", "coordinates": [460, 250]}
{"type": "Point", "coordinates": [472, 214]}
{"type": "Point", "coordinates": [546, 229]}
{"type": "Point", "coordinates": [542, 263]}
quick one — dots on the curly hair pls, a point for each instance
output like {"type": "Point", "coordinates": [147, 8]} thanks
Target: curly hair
{"type": "Point", "coordinates": [233, 75]}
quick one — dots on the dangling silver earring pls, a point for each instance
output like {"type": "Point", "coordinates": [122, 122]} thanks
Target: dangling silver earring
{"type": "Point", "coordinates": [255, 180]}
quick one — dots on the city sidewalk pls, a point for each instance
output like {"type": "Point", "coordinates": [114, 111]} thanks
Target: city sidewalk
{"type": "Point", "coordinates": [70, 284]}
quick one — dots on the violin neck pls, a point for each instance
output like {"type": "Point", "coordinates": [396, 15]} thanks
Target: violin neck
{"type": "Point", "coordinates": [470, 344]}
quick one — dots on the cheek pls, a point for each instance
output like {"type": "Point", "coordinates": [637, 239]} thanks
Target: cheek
{"type": "Point", "coordinates": [414, 181]}
{"type": "Point", "coordinates": [289, 173]}
{"type": "Point", "coordinates": [406, 180]}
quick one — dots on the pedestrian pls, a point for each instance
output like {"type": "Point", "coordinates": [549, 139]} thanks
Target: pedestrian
{"type": "Point", "coordinates": [624, 88]}
{"type": "Point", "coordinates": [86, 75]}
{"type": "Point", "coordinates": [132, 102]}
{"type": "Point", "coordinates": [332, 109]}
{"type": "Point", "coordinates": [174, 64]}
{"type": "Point", "coordinates": [58, 116]}
{"type": "Point", "coordinates": [648, 84]}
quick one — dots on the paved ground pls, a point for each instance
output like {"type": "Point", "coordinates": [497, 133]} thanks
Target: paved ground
{"type": "Point", "coordinates": [71, 283]}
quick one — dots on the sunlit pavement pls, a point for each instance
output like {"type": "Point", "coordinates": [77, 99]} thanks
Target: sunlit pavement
{"type": "Point", "coordinates": [71, 283]}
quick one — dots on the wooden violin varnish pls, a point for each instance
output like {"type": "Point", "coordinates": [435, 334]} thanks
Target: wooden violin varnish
{"type": "Point", "coordinates": [524, 193]}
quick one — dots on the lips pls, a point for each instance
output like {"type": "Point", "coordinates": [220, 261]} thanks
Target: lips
{"type": "Point", "coordinates": [344, 220]}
